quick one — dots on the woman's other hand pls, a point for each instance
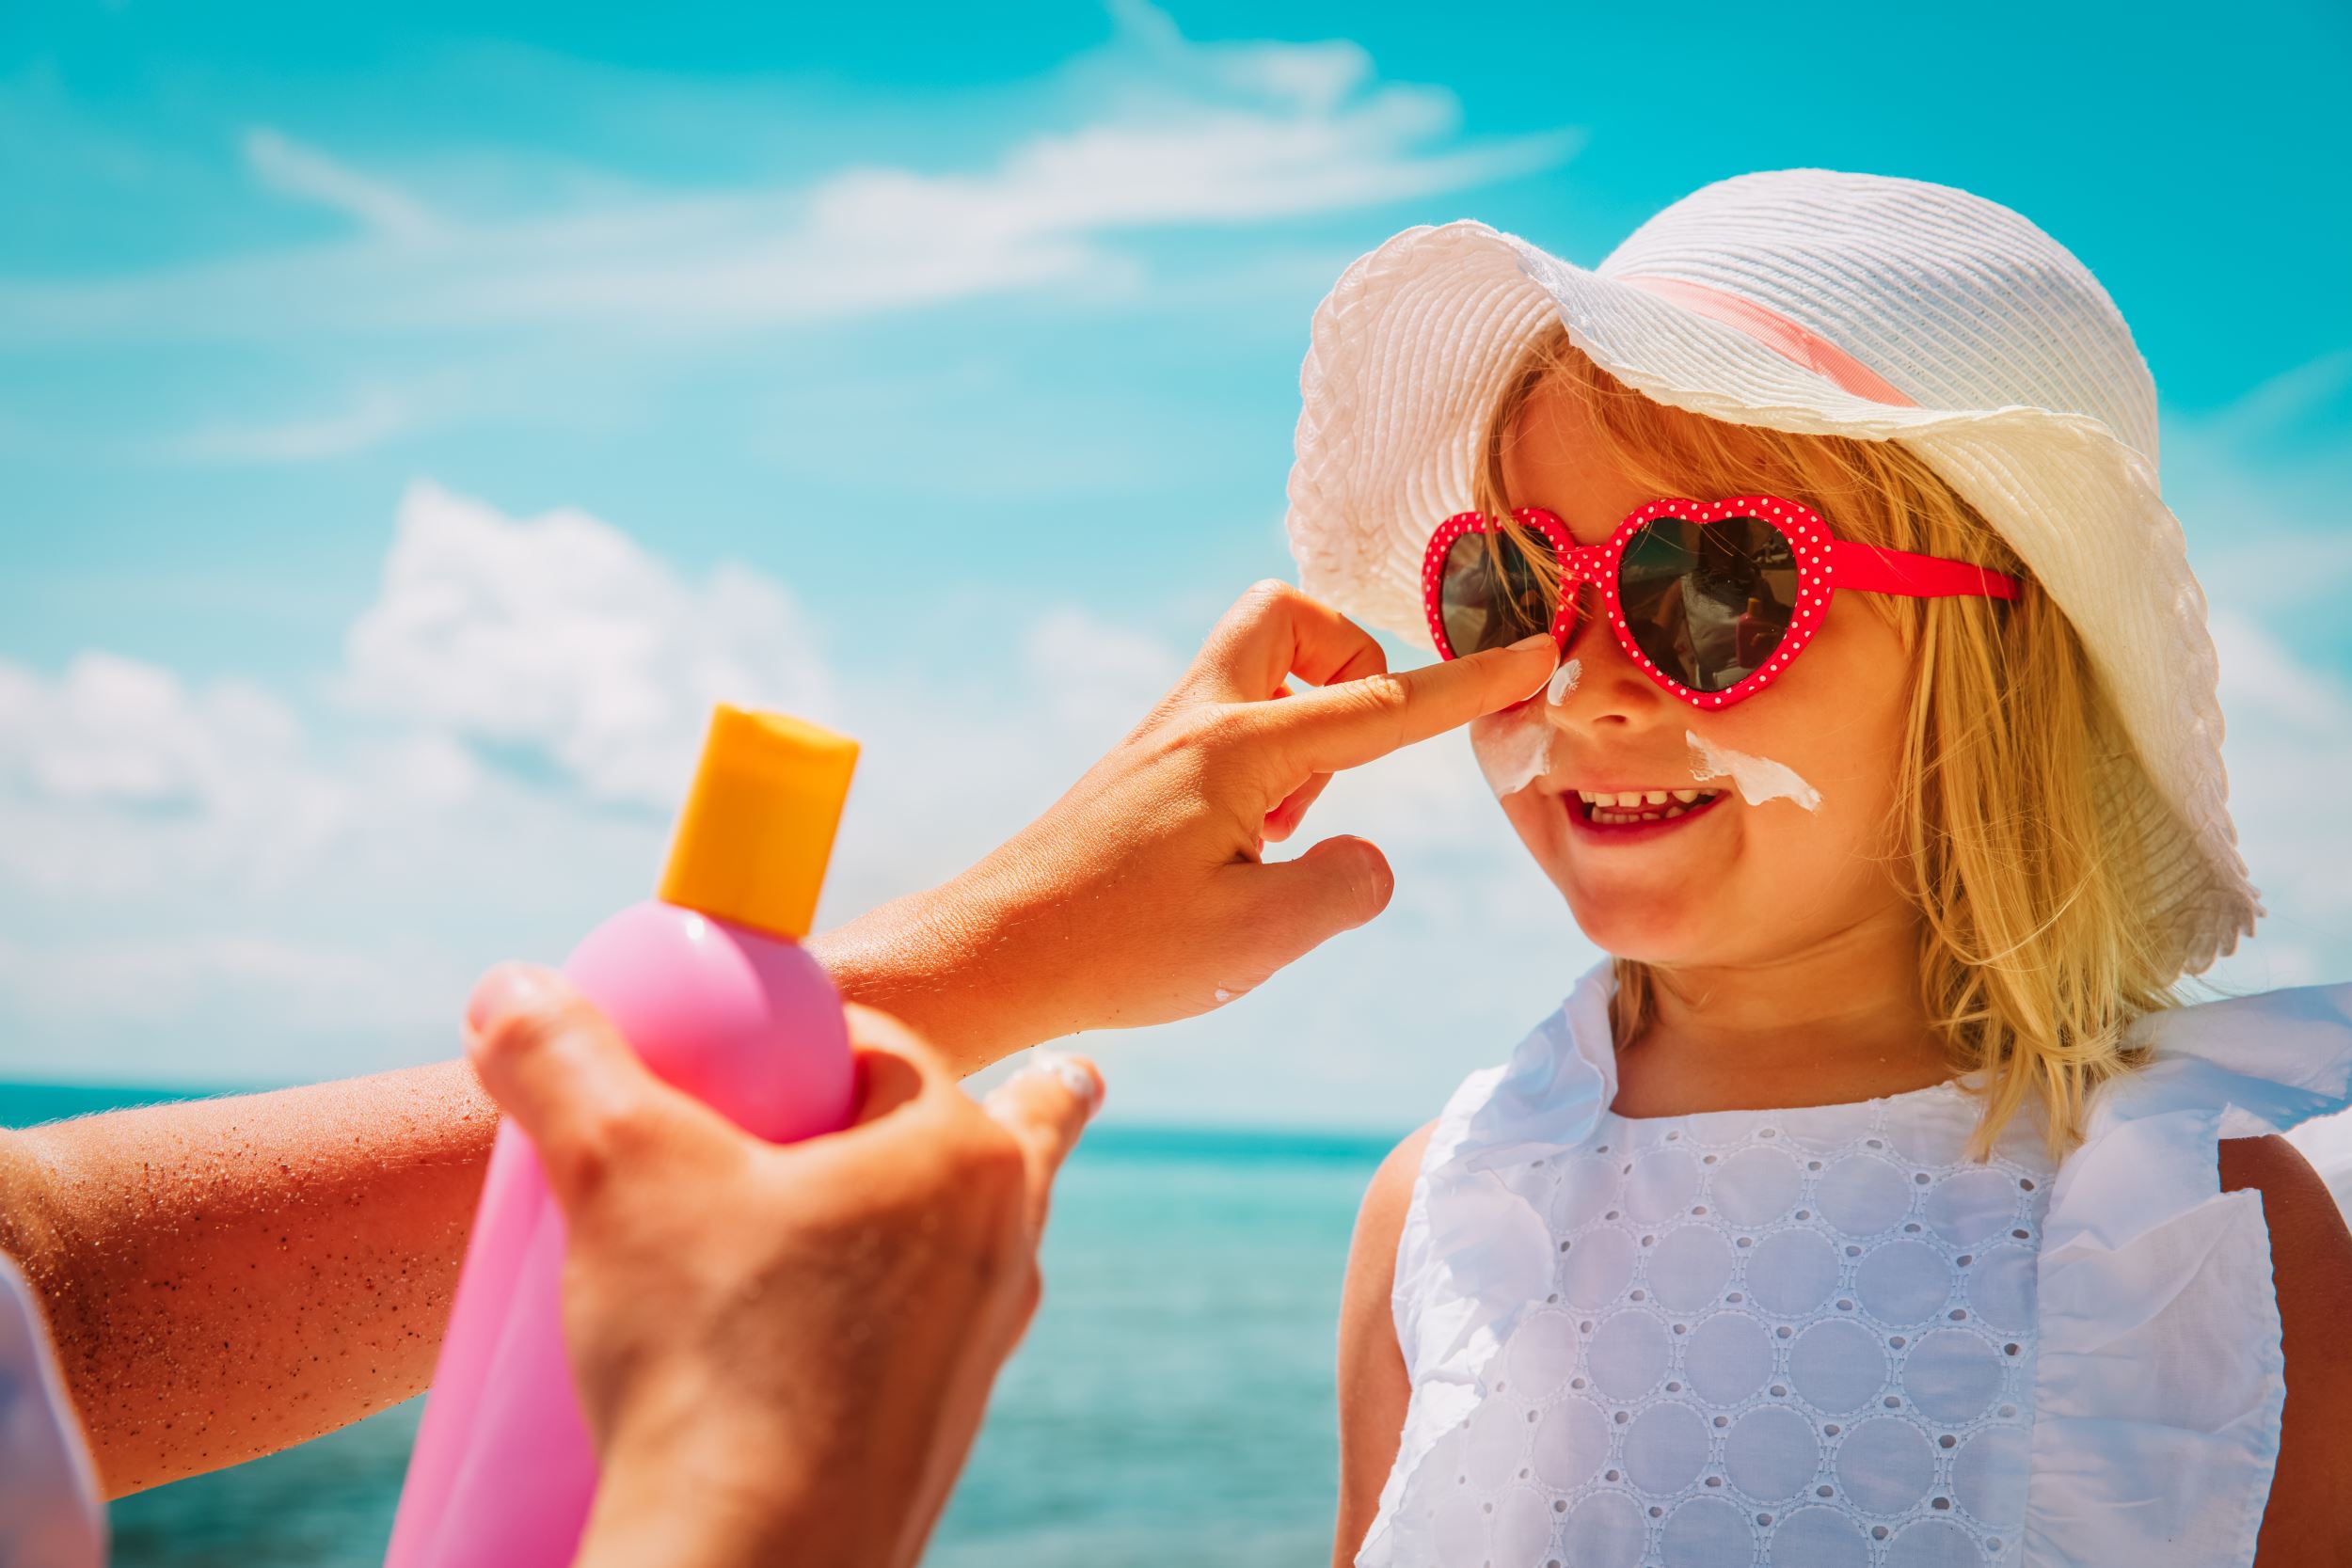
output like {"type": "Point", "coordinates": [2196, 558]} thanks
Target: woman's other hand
{"type": "Point", "coordinates": [783, 1350]}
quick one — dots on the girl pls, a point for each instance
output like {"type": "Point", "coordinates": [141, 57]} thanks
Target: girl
{"type": "Point", "coordinates": [1875, 1201]}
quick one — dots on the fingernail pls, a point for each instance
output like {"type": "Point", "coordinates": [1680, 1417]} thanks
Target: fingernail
{"type": "Point", "coordinates": [1075, 1078]}
{"type": "Point", "coordinates": [511, 988]}
{"type": "Point", "coordinates": [1541, 639]}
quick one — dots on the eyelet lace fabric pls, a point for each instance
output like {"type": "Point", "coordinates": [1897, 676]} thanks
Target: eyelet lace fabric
{"type": "Point", "coordinates": [1819, 1337]}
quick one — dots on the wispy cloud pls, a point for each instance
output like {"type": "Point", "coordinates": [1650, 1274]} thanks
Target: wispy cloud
{"type": "Point", "coordinates": [375, 416]}
{"type": "Point", "coordinates": [1174, 134]}
{"type": "Point", "coordinates": [291, 168]}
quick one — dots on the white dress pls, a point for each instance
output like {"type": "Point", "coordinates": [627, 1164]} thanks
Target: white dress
{"type": "Point", "coordinates": [1823, 1337]}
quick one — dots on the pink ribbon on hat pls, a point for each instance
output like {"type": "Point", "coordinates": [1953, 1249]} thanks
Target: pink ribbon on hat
{"type": "Point", "coordinates": [1775, 332]}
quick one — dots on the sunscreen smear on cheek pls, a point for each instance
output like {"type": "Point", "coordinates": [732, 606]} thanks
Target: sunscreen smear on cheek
{"type": "Point", "coordinates": [1514, 747]}
{"type": "Point", "coordinates": [1757, 779]}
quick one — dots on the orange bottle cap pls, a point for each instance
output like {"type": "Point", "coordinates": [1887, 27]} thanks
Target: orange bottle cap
{"type": "Point", "coordinates": [758, 829]}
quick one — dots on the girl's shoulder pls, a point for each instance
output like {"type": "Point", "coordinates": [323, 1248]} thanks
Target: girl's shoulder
{"type": "Point", "coordinates": [1388, 1197]}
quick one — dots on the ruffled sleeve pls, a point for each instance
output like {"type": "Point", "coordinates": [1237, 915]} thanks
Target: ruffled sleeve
{"type": "Point", "coordinates": [2160, 1379]}
{"type": "Point", "coordinates": [1543, 1100]}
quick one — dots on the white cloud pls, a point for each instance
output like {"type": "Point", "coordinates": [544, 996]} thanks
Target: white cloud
{"type": "Point", "coordinates": [2287, 741]}
{"type": "Point", "coordinates": [293, 170]}
{"type": "Point", "coordinates": [114, 729]}
{"type": "Point", "coordinates": [209, 782]}
{"type": "Point", "coordinates": [560, 634]}
{"type": "Point", "coordinates": [1171, 133]}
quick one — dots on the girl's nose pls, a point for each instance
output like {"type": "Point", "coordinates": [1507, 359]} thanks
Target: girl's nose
{"type": "Point", "coordinates": [1598, 684]}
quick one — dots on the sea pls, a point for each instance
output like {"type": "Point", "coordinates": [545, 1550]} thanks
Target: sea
{"type": "Point", "coordinates": [1171, 1404]}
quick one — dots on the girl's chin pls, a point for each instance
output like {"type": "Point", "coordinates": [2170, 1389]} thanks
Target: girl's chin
{"type": "Point", "coordinates": [1660, 940]}
{"type": "Point", "coordinates": [1649, 901]}
{"type": "Point", "coordinates": [1636, 919]}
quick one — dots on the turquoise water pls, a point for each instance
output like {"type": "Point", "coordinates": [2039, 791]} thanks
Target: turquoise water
{"type": "Point", "coordinates": [1172, 1405]}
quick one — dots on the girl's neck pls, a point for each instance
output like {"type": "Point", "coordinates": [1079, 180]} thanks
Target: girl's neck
{"type": "Point", "coordinates": [1836, 1021]}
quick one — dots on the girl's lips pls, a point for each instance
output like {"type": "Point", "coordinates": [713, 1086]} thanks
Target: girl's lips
{"type": "Point", "coordinates": [1579, 818]}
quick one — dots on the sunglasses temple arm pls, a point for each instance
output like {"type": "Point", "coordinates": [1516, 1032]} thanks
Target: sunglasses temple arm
{"type": "Point", "coordinates": [1875, 570]}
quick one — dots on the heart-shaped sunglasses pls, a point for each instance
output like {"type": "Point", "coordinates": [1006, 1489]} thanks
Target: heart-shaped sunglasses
{"type": "Point", "coordinates": [1712, 599]}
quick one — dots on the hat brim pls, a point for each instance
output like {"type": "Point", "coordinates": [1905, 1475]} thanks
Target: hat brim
{"type": "Point", "coordinates": [1410, 351]}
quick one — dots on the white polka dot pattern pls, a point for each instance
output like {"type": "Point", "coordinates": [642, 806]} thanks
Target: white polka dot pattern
{"type": "Point", "coordinates": [1797, 1337]}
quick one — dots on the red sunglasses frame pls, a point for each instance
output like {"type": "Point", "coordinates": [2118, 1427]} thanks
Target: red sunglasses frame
{"type": "Point", "coordinates": [1825, 564]}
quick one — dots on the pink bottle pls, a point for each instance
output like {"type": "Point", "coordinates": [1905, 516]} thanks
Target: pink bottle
{"type": "Point", "coordinates": [712, 988]}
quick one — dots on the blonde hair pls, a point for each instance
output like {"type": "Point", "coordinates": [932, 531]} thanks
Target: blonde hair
{"type": "Point", "coordinates": [2035, 947]}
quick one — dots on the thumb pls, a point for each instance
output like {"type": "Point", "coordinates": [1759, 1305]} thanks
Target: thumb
{"type": "Point", "coordinates": [1046, 1106]}
{"type": "Point", "coordinates": [562, 1072]}
{"type": "Point", "coordinates": [1337, 884]}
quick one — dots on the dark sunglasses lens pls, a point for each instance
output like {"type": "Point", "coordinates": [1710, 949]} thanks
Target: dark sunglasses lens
{"type": "Point", "coordinates": [1495, 591]}
{"type": "Point", "coordinates": [1708, 604]}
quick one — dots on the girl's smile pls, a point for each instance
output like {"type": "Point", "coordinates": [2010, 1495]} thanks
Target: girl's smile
{"type": "Point", "coordinates": [1635, 815]}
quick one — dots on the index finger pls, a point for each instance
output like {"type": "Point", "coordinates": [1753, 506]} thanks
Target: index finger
{"type": "Point", "coordinates": [1349, 724]}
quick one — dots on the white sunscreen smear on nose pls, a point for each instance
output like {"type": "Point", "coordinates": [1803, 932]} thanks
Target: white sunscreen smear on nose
{"type": "Point", "coordinates": [1563, 681]}
{"type": "Point", "coordinates": [1757, 779]}
{"type": "Point", "coordinates": [1514, 747]}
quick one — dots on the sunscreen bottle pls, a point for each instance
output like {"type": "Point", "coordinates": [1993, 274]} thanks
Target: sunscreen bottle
{"type": "Point", "coordinates": [710, 985]}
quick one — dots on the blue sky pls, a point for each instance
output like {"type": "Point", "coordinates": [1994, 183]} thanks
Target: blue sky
{"type": "Point", "coordinates": [409, 421]}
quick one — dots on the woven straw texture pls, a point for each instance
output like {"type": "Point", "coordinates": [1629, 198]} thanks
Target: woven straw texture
{"type": "Point", "coordinates": [2029, 398]}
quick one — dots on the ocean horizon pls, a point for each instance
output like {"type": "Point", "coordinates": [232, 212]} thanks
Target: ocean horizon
{"type": "Point", "coordinates": [1172, 1402]}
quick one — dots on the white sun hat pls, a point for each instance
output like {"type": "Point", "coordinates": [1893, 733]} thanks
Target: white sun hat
{"type": "Point", "coordinates": [1825, 303]}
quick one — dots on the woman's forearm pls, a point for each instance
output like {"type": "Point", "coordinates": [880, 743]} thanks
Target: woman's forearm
{"type": "Point", "coordinates": [954, 964]}
{"type": "Point", "coordinates": [225, 1279]}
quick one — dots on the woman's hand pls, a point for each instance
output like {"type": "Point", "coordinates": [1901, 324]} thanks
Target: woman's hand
{"type": "Point", "coordinates": [1143, 893]}
{"type": "Point", "coordinates": [783, 1351]}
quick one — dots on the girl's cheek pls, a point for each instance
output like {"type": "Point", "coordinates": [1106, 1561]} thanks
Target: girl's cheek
{"type": "Point", "coordinates": [1514, 747]}
{"type": "Point", "coordinates": [1757, 779]}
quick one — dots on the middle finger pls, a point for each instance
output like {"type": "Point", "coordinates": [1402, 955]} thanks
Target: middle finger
{"type": "Point", "coordinates": [1273, 632]}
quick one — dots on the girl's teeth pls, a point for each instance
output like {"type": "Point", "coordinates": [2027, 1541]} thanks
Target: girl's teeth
{"type": "Point", "coordinates": [1602, 814]}
{"type": "Point", "coordinates": [1603, 810]}
{"type": "Point", "coordinates": [1642, 805]}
